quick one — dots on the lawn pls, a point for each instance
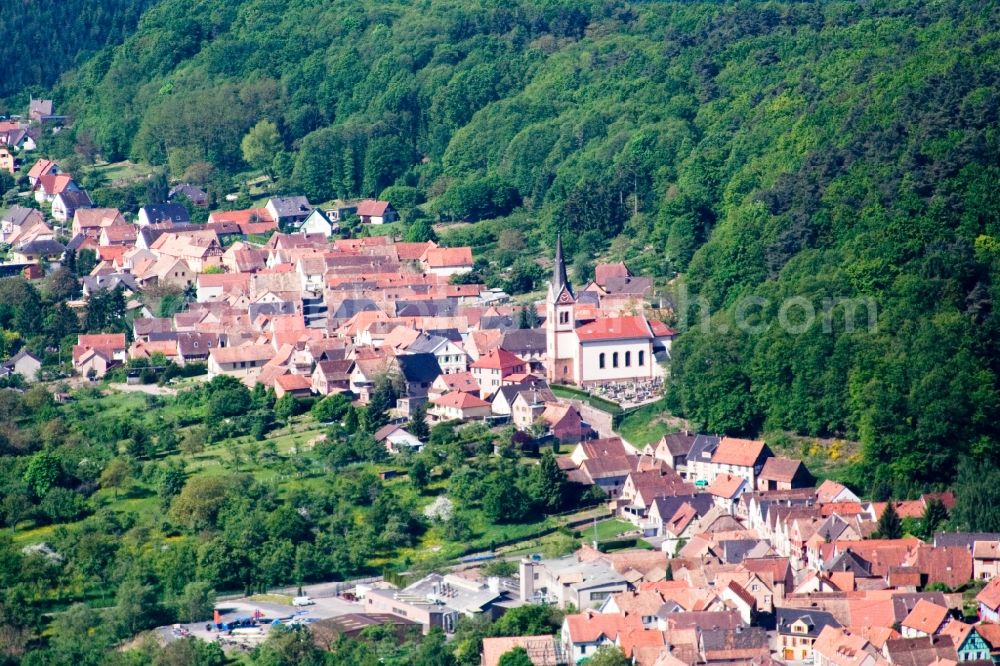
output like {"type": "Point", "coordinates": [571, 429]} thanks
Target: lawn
{"type": "Point", "coordinates": [606, 529]}
{"type": "Point", "coordinates": [118, 173]}
{"type": "Point", "coordinates": [646, 424]}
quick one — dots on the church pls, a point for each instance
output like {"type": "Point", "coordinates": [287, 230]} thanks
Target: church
{"type": "Point", "coordinates": [599, 351]}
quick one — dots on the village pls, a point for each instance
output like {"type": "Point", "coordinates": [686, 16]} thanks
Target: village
{"type": "Point", "coordinates": [742, 558]}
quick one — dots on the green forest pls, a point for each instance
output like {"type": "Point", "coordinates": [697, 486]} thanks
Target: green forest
{"type": "Point", "coordinates": [756, 149]}
{"type": "Point", "coordinates": [44, 39]}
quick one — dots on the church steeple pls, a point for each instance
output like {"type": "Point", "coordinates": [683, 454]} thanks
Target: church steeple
{"type": "Point", "coordinates": [559, 280]}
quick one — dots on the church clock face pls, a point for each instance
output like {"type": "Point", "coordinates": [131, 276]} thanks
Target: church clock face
{"type": "Point", "coordinates": [565, 298]}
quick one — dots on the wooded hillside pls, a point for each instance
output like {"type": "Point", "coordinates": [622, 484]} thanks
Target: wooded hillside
{"type": "Point", "coordinates": [43, 39]}
{"type": "Point", "coordinates": [834, 149]}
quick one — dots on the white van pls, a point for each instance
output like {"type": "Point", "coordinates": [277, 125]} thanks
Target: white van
{"type": "Point", "coordinates": [302, 601]}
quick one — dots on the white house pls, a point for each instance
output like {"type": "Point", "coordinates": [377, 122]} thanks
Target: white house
{"type": "Point", "coordinates": [319, 222]}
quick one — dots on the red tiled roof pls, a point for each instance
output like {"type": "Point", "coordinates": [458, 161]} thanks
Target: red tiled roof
{"type": "Point", "coordinates": [40, 168]}
{"type": "Point", "coordinates": [990, 595]}
{"type": "Point", "coordinates": [741, 452]}
{"type": "Point", "coordinates": [588, 627]}
{"type": "Point", "coordinates": [448, 257]}
{"type": "Point", "coordinates": [604, 271]}
{"type": "Point", "coordinates": [460, 399]}
{"type": "Point", "coordinates": [107, 340]}
{"type": "Point", "coordinates": [615, 328]}
{"type": "Point", "coordinates": [925, 617]}
{"type": "Point", "coordinates": [780, 469]}
{"type": "Point", "coordinates": [726, 485]}
{"type": "Point", "coordinates": [241, 217]}
{"type": "Point", "coordinates": [293, 382]}
{"type": "Point", "coordinates": [660, 329]}
{"type": "Point", "coordinates": [498, 359]}
{"type": "Point", "coordinates": [54, 184]}
{"type": "Point", "coordinates": [372, 207]}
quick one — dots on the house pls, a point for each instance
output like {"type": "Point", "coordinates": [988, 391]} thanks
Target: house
{"type": "Point", "coordinates": [835, 647]}
{"type": "Point", "coordinates": [528, 404]}
{"type": "Point", "coordinates": [65, 204]}
{"type": "Point", "coordinates": [920, 651]}
{"type": "Point", "coordinates": [418, 371]}
{"type": "Point", "coordinates": [726, 489]}
{"type": "Point", "coordinates": [89, 222]}
{"type": "Point", "coordinates": [989, 602]}
{"type": "Point", "coordinates": [318, 222]}
{"type": "Point", "coordinates": [195, 195]}
{"type": "Point", "coordinates": [24, 363]}
{"type": "Point", "coordinates": [298, 386]}
{"type": "Point", "coordinates": [396, 438]}
{"type": "Point", "coordinates": [372, 211]}
{"type": "Point", "coordinates": [249, 222]}
{"type": "Point", "coordinates": [643, 488]}
{"type": "Point", "coordinates": [830, 492]}
{"type": "Point", "coordinates": [564, 423]}
{"type": "Point", "coordinates": [738, 457]}
{"type": "Point", "coordinates": [199, 249]}
{"type": "Point", "coordinates": [95, 354]}
{"type": "Point", "coordinates": [673, 448]}
{"type": "Point", "coordinates": [986, 559]}
{"type": "Point", "coordinates": [289, 212]}
{"type": "Point", "coordinates": [244, 361]}
{"type": "Point", "coordinates": [969, 643]}
{"type": "Point", "coordinates": [332, 376]}
{"type": "Point", "coordinates": [926, 619]}
{"type": "Point", "coordinates": [38, 250]}
{"type": "Point", "coordinates": [798, 629]}
{"type": "Point", "coordinates": [459, 405]}
{"type": "Point", "coordinates": [16, 219]}
{"type": "Point", "coordinates": [40, 111]}
{"type": "Point", "coordinates": [118, 234]}
{"type": "Point", "coordinates": [784, 474]}
{"type": "Point", "coordinates": [447, 261]}
{"type": "Point", "coordinates": [42, 168]}
{"type": "Point", "coordinates": [727, 645]}
{"type": "Point", "coordinates": [164, 213]}
{"type": "Point", "coordinates": [582, 634]}
{"type": "Point", "coordinates": [489, 370]}
{"type": "Point", "coordinates": [167, 271]}
{"type": "Point", "coordinates": [52, 184]}
{"type": "Point", "coordinates": [193, 347]}
{"type": "Point", "coordinates": [951, 566]}
{"type": "Point", "coordinates": [462, 381]}
{"type": "Point", "coordinates": [450, 357]}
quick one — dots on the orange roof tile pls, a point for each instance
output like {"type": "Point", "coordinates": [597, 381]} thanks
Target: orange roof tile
{"type": "Point", "coordinates": [741, 452]}
{"type": "Point", "coordinates": [925, 617]}
{"type": "Point", "coordinates": [461, 400]}
{"type": "Point", "coordinates": [615, 328]}
{"type": "Point", "coordinates": [498, 359]}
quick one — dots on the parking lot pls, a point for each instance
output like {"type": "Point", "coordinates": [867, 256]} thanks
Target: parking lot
{"type": "Point", "coordinates": [265, 612]}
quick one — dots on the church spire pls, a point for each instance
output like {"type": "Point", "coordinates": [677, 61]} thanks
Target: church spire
{"type": "Point", "coordinates": [559, 279]}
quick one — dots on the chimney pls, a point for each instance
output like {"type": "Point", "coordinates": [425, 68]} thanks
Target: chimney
{"type": "Point", "coordinates": [527, 583]}
{"type": "Point", "coordinates": [494, 584]}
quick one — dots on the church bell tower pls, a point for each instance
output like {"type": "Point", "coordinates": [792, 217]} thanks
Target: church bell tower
{"type": "Point", "coordinates": [560, 339]}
